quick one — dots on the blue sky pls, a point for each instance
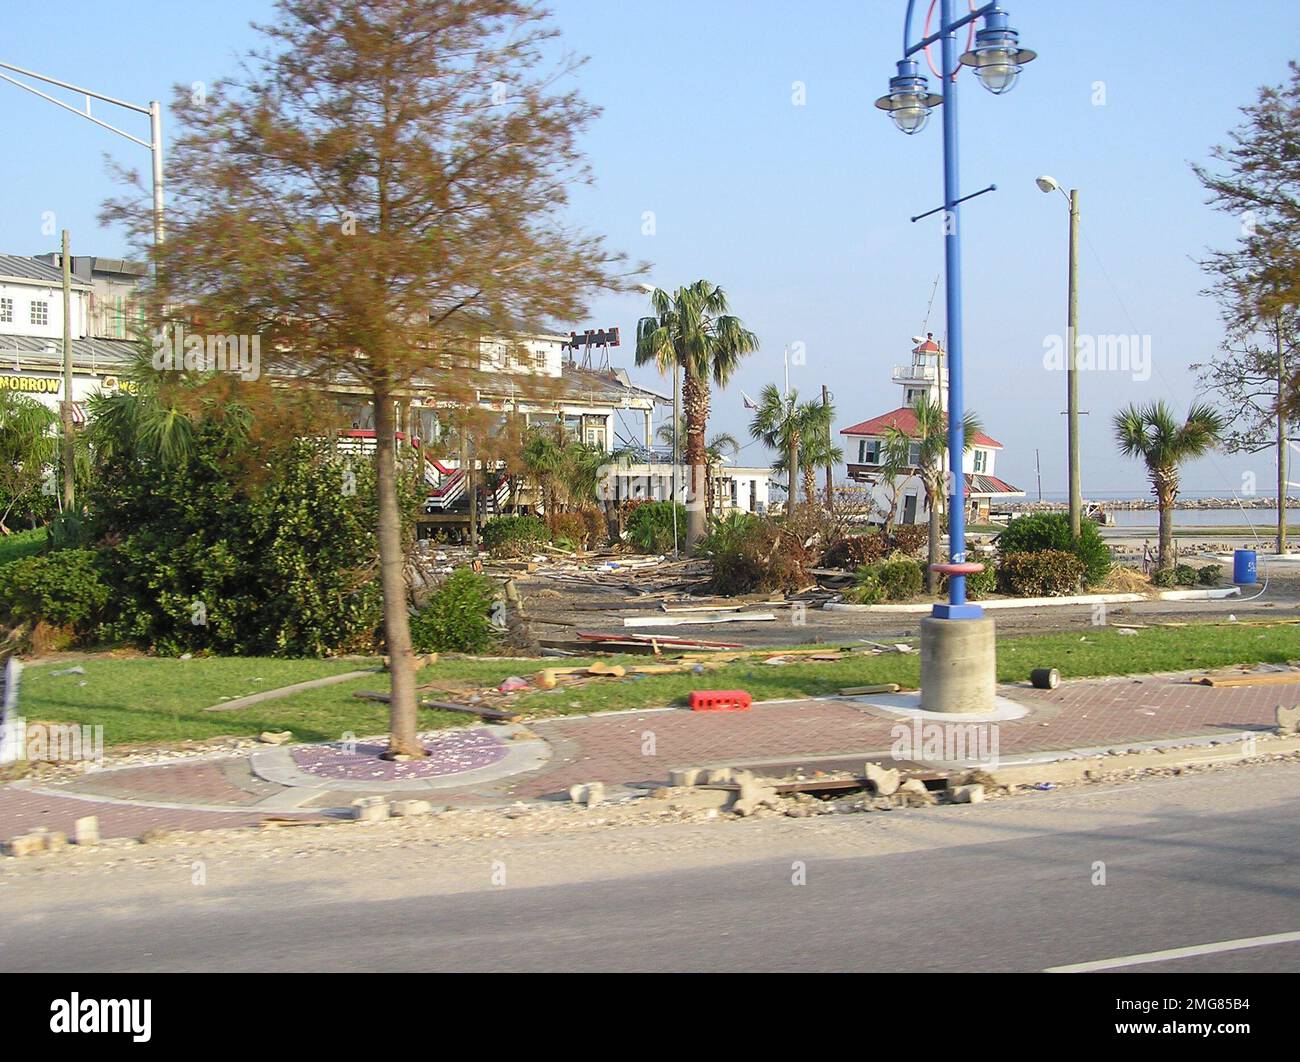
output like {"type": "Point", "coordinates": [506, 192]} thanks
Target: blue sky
{"type": "Point", "coordinates": [801, 212]}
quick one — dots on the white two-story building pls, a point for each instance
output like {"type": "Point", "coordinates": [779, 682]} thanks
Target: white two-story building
{"type": "Point", "coordinates": [31, 328]}
{"type": "Point", "coordinates": [926, 376]}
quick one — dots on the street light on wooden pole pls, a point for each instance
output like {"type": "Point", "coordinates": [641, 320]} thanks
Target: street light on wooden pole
{"type": "Point", "coordinates": [68, 448]}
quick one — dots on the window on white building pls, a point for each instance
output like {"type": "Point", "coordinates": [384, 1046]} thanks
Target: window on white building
{"type": "Point", "coordinates": [981, 460]}
{"type": "Point", "coordinates": [539, 361]}
{"type": "Point", "coordinates": [7, 311]}
{"type": "Point", "coordinates": [914, 455]}
{"type": "Point", "coordinates": [40, 313]}
{"type": "Point", "coordinates": [869, 451]}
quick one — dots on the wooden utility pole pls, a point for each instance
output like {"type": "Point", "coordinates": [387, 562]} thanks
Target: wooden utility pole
{"type": "Point", "coordinates": [830, 470]}
{"type": "Point", "coordinates": [1281, 445]}
{"type": "Point", "coordinates": [68, 449]}
{"type": "Point", "coordinates": [1072, 374]}
{"type": "Point", "coordinates": [471, 485]}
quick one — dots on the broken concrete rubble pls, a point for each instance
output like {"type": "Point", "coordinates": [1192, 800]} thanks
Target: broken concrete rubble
{"type": "Point", "coordinates": [410, 809]}
{"type": "Point", "coordinates": [370, 809]}
{"type": "Point", "coordinates": [966, 794]}
{"type": "Point", "coordinates": [591, 794]}
{"type": "Point", "coordinates": [883, 781]}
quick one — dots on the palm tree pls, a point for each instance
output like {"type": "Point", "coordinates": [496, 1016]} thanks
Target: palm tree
{"type": "Point", "coordinates": [783, 423]}
{"type": "Point", "coordinates": [153, 416]}
{"type": "Point", "coordinates": [29, 447]}
{"type": "Point", "coordinates": [694, 330]}
{"type": "Point", "coordinates": [819, 452]}
{"type": "Point", "coordinates": [543, 461]}
{"type": "Point", "coordinates": [932, 438]}
{"type": "Point", "coordinates": [895, 462]}
{"type": "Point", "coordinates": [1153, 433]}
{"type": "Point", "coordinates": [816, 452]}
{"type": "Point", "coordinates": [582, 471]}
{"type": "Point", "coordinates": [720, 447]}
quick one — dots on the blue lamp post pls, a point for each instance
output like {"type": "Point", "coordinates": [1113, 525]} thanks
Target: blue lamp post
{"type": "Point", "coordinates": [996, 58]}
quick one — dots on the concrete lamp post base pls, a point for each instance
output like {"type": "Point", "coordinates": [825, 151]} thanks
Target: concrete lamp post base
{"type": "Point", "coordinates": [958, 665]}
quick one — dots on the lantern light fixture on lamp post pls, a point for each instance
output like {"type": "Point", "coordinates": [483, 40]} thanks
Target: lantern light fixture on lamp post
{"type": "Point", "coordinates": [958, 661]}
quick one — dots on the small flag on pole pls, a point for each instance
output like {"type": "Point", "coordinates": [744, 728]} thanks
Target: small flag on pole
{"type": "Point", "coordinates": [749, 402]}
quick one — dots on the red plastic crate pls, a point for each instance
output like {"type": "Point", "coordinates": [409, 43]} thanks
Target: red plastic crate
{"type": "Point", "coordinates": [721, 701]}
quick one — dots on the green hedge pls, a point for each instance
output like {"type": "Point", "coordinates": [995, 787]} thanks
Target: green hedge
{"type": "Point", "coordinates": [650, 526]}
{"type": "Point", "coordinates": [896, 580]}
{"type": "Point", "coordinates": [63, 588]}
{"type": "Point", "coordinates": [1045, 573]}
{"type": "Point", "coordinates": [1051, 531]}
{"type": "Point", "coordinates": [514, 536]}
{"type": "Point", "coordinates": [457, 617]}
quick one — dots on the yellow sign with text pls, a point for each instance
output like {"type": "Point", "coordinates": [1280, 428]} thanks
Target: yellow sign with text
{"type": "Point", "coordinates": [40, 385]}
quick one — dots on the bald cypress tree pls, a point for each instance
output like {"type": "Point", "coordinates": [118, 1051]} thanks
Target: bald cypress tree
{"type": "Point", "coordinates": [381, 185]}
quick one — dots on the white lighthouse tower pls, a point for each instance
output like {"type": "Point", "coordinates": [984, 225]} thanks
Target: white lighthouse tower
{"type": "Point", "coordinates": [927, 375]}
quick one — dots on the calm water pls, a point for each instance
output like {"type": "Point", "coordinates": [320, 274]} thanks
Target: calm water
{"type": "Point", "coordinates": [1260, 518]}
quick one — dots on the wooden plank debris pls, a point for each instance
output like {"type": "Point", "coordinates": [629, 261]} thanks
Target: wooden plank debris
{"type": "Point", "coordinates": [708, 618]}
{"type": "Point", "coordinates": [491, 714]}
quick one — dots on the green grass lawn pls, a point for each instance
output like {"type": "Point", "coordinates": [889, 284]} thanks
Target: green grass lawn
{"type": "Point", "coordinates": [21, 544]}
{"type": "Point", "coordinates": [161, 700]}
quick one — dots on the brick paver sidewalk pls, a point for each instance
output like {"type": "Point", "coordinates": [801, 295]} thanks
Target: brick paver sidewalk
{"type": "Point", "coordinates": [642, 747]}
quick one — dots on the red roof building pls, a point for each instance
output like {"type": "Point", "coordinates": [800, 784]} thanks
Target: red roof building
{"type": "Point", "coordinates": [863, 444]}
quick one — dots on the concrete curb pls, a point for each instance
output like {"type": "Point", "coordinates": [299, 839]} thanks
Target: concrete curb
{"type": "Point", "coordinates": [1048, 602]}
{"type": "Point", "coordinates": [1075, 767]}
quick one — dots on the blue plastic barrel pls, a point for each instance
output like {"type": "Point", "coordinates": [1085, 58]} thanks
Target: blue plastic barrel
{"type": "Point", "coordinates": [1245, 567]}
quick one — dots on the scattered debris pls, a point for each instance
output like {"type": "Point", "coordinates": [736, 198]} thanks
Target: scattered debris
{"type": "Point", "coordinates": [858, 691]}
{"type": "Point", "coordinates": [966, 794]}
{"type": "Point", "coordinates": [1045, 678]}
{"type": "Point", "coordinates": [490, 714]}
{"type": "Point", "coordinates": [721, 701]}
{"type": "Point", "coordinates": [915, 793]}
{"type": "Point", "coordinates": [370, 809]}
{"type": "Point", "coordinates": [883, 781]}
{"type": "Point", "coordinates": [1288, 720]}
{"type": "Point", "coordinates": [409, 809]}
{"type": "Point", "coordinates": [85, 831]}
{"type": "Point", "coordinates": [270, 737]}
{"type": "Point", "coordinates": [590, 794]}
{"type": "Point", "coordinates": [1255, 678]}
{"type": "Point", "coordinates": [708, 618]}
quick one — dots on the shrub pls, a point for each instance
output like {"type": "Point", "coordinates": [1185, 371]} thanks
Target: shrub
{"type": "Point", "coordinates": [1186, 575]}
{"type": "Point", "coordinates": [568, 531]}
{"type": "Point", "coordinates": [910, 539]}
{"type": "Point", "coordinates": [1044, 573]}
{"type": "Point", "coordinates": [1051, 531]}
{"type": "Point", "coordinates": [276, 562]}
{"type": "Point", "coordinates": [896, 580]}
{"type": "Point", "coordinates": [596, 527]}
{"type": "Point", "coordinates": [514, 536]}
{"type": "Point", "coordinates": [457, 617]}
{"type": "Point", "coordinates": [751, 554]}
{"type": "Point", "coordinates": [857, 551]}
{"type": "Point", "coordinates": [979, 586]}
{"type": "Point", "coordinates": [1164, 578]}
{"type": "Point", "coordinates": [1209, 575]}
{"type": "Point", "coordinates": [63, 589]}
{"type": "Point", "coordinates": [650, 526]}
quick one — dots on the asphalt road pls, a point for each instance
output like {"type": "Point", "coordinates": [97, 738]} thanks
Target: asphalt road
{"type": "Point", "coordinates": [1009, 885]}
